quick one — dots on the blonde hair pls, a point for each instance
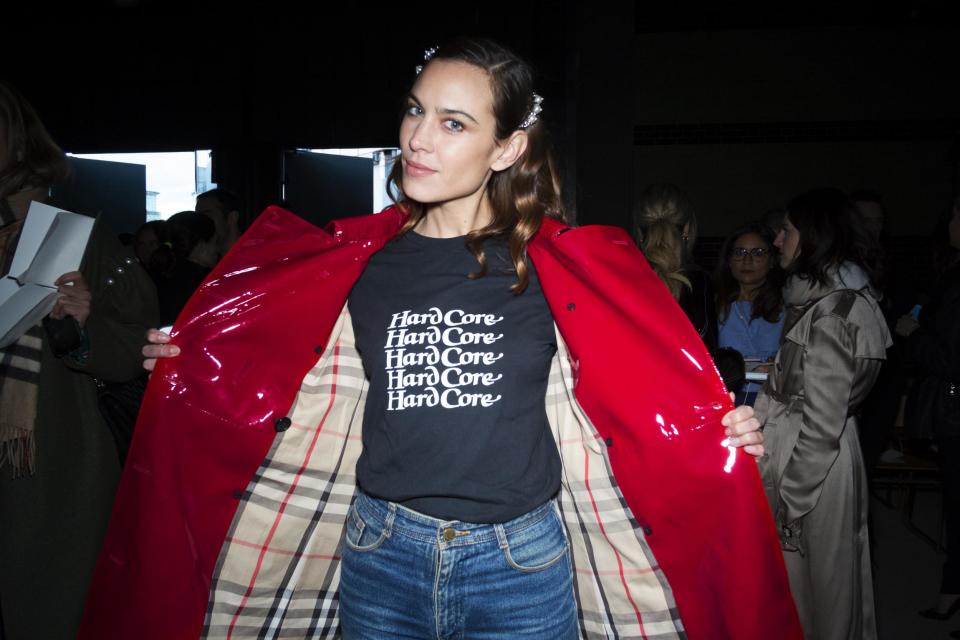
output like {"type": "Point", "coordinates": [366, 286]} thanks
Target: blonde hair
{"type": "Point", "coordinates": [34, 159]}
{"type": "Point", "coordinates": [659, 217]}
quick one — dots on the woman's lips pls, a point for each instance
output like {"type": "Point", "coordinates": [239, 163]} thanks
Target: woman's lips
{"type": "Point", "coordinates": [416, 170]}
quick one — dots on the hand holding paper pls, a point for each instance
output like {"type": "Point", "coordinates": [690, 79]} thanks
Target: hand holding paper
{"type": "Point", "coordinates": [44, 273]}
{"type": "Point", "coordinates": [74, 298]}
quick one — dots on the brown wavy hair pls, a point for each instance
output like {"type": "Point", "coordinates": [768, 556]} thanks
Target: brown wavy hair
{"type": "Point", "coordinates": [659, 216]}
{"type": "Point", "coordinates": [34, 158]}
{"type": "Point", "coordinates": [831, 233]}
{"type": "Point", "coordinates": [528, 190]}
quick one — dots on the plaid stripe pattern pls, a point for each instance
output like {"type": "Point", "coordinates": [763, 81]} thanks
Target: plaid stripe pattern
{"type": "Point", "coordinates": [279, 569]}
{"type": "Point", "coordinates": [19, 380]}
{"type": "Point", "coordinates": [621, 591]}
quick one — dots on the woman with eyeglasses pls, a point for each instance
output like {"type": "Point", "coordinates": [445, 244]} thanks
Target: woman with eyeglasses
{"type": "Point", "coordinates": [835, 339]}
{"type": "Point", "coordinates": [750, 298]}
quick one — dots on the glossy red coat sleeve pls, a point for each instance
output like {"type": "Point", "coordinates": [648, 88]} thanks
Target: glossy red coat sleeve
{"type": "Point", "coordinates": [646, 381]}
{"type": "Point", "coordinates": [248, 335]}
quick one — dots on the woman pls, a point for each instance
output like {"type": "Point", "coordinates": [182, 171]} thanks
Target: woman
{"type": "Point", "coordinates": [932, 347]}
{"type": "Point", "coordinates": [665, 227]}
{"type": "Point", "coordinates": [834, 342]}
{"type": "Point", "coordinates": [438, 435]}
{"type": "Point", "coordinates": [750, 298]}
{"type": "Point", "coordinates": [58, 464]}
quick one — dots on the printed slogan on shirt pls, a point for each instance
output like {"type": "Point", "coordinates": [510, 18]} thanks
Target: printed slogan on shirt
{"type": "Point", "coordinates": [443, 359]}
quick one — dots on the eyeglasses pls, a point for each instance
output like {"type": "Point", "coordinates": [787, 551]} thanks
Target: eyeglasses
{"type": "Point", "coordinates": [739, 253]}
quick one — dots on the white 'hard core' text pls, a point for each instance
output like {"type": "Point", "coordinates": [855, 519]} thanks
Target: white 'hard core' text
{"type": "Point", "coordinates": [435, 374]}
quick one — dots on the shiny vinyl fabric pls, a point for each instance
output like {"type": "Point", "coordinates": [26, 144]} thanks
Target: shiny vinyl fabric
{"type": "Point", "coordinates": [251, 333]}
{"type": "Point", "coordinates": [701, 502]}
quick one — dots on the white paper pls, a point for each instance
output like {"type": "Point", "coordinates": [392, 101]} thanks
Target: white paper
{"type": "Point", "coordinates": [52, 242]}
{"type": "Point", "coordinates": [61, 250]}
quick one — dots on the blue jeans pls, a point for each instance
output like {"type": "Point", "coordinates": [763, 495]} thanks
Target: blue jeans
{"type": "Point", "coordinates": [407, 575]}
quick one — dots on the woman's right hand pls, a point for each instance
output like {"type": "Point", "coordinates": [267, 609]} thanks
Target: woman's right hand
{"type": "Point", "coordinates": [158, 348]}
{"type": "Point", "coordinates": [906, 325]}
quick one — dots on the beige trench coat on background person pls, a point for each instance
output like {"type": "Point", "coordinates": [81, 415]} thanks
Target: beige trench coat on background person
{"type": "Point", "coordinates": [834, 341]}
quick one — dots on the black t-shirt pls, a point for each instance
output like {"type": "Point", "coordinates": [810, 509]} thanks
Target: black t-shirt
{"type": "Point", "coordinates": [699, 305]}
{"type": "Point", "coordinates": [455, 424]}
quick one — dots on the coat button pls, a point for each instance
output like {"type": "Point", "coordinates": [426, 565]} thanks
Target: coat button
{"type": "Point", "coordinates": [647, 530]}
{"type": "Point", "coordinates": [609, 442]}
{"type": "Point", "coordinates": [571, 306]}
{"type": "Point", "coordinates": [283, 424]}
{"type": "Point", "coordinates": [318, 350]}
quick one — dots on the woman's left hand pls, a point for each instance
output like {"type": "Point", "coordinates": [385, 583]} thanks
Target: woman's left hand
{"type": "Point", "coordinates": [743, 430]}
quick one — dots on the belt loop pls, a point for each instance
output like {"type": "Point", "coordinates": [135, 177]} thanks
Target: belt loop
{"type": "Point", "coordinates": [501, 536]}
{"type": "Point", "coordinates": [391, 515]}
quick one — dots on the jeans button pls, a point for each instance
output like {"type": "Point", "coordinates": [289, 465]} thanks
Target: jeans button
{"type": "Point", "coordinates": [449, 534]}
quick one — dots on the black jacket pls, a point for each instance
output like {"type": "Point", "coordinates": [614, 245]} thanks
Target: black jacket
{"type": "Point", "coordinates": [934, 348]}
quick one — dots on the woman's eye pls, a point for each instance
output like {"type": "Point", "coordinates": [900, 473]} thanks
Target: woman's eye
{"type": "Point", "coordinates": [414, 110]}
{"type": "Point", "coordinates": [454, 125]}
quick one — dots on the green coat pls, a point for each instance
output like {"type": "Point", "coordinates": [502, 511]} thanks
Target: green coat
{"type": "Point", "coordinates": [52, 522]}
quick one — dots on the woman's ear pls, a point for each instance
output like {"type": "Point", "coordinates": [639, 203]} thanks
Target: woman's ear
{"type": "Point", "coordinates": [510, 150]}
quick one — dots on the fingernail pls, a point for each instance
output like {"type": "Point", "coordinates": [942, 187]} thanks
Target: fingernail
{"type": "Point", "coordinates": [734, 441]}
{"type": "Point", "coordinates": [174, 350]}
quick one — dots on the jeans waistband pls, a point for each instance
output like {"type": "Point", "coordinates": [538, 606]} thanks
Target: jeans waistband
{"type": "Point", "coordinates": [397, 519]}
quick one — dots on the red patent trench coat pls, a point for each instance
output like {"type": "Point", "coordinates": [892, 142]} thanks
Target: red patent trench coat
{"type": "Point", "coordinates": [670, 531]}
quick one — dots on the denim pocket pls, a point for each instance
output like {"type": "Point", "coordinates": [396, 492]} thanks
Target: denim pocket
{"type": "Point", "coordinates": [538, 546]}
{"type": "Point", "coordinates": [361, 535]}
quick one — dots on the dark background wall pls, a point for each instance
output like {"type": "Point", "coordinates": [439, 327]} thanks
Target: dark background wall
{"type": "Point", "coordinates": [745, 117]}
{"type": "Point", "coordinates": [742, 106]}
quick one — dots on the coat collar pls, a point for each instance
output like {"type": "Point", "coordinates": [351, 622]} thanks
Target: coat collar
{"type": "Point", "coordinates": [801, 291]}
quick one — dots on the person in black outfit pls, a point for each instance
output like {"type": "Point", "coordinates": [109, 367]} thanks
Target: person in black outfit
{"type": "Point", "coordinates": [932, 346]}
{"type": "Point", "coordinates": [188, 260]}
{"type": "Point", "coordinates": [665, 227]}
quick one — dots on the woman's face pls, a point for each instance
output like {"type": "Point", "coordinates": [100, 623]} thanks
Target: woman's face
{"type": "Point", "coordinates": [448, 134]}
{"type": "Point", "coordinates": [788, 241]}
{"type": "Point", "coordinates": [750, 260]}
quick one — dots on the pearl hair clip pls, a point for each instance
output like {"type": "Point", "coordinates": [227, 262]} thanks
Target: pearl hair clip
{"type": "Point", "coordinates": [534, 114]}
{"type": "Point", "coordinates": [427, 54]}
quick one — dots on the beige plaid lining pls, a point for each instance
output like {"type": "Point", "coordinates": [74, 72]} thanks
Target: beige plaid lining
{"type": "Point", "coordinates": [279, 569]}
{"type": "Point", "coordinates": [621, 591]}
